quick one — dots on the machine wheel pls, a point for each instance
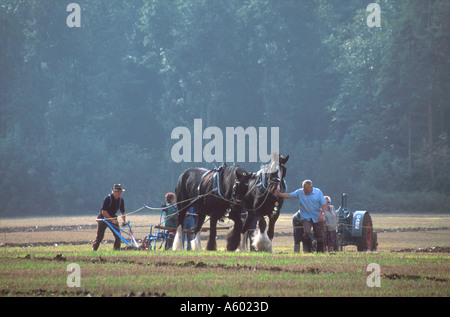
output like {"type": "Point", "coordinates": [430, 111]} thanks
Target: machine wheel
{"type": "Point", "coordinates": [364, 243]}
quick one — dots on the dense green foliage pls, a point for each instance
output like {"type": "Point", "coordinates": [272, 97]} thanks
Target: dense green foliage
{"type": "Point", "coordinates": [361, 110]}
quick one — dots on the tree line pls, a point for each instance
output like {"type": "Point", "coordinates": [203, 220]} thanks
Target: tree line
{"type": "Point", "coordinates": [362, 110]}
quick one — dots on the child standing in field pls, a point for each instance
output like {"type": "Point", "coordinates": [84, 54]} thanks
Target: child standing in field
{"type": "Point", "coordinates": [170, 217]}
{"type": "Point", "coordinates": [330, 225]}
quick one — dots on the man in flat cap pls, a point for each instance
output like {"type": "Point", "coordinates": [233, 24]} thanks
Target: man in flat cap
{"type": "Point", "coordinates": [111, 204]}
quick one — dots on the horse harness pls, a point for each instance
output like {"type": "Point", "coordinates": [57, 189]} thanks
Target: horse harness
{"type": "Point", "coordinates": [216, 179]}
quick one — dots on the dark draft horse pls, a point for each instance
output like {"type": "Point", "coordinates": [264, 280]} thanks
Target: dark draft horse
{"type": "Point", "coordinates": [260, 202]}
{"type": "Point", "coordinates": [214, 193]}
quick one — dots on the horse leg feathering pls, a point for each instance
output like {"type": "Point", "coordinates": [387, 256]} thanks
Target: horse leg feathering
{"type": "Point", "coordinates": [177, 243]}
{"type": "Point", "coordinates": [196, 244]}
{"type": "Point", "coordinates": [261, 241]}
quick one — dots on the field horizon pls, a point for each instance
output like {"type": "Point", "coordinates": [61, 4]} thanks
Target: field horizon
{"type": "Point", "coordinates": [413, 260]}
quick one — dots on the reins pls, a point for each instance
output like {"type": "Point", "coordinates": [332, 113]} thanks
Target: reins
{"type": "Point", "coordinates": [232, 201]}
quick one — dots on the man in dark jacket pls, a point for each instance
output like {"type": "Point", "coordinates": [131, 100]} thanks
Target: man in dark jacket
{"type": "Point", "coordinates": [111, 204]}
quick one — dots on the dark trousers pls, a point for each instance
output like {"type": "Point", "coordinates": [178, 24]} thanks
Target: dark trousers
{"type": "Point", "coordinates": [319, 229]}
{"type": "Point", "coordinates": [101, 227]}
{"type": "Point", "coordinates": [170, 236]}
{"type": "Point", "coordinates": [189, 224]}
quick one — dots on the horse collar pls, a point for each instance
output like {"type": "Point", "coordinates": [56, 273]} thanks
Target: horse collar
{"type": "Point", "coordinates": [216, 182]}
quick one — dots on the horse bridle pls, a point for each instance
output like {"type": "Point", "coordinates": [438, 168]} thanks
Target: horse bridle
{"type": "Point", "coordinates": [275, 180]}
{"type": "Point", "coordinates": [282, 180]}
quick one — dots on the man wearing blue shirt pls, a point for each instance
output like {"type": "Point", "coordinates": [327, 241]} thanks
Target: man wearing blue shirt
{"type": "Point", "coordinates": [310, 214]}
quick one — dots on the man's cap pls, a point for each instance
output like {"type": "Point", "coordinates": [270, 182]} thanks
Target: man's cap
{"type": "Point", "coordinates": [118, 188]}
